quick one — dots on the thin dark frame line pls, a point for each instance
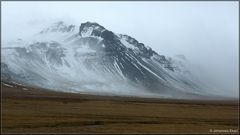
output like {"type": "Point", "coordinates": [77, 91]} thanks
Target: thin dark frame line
{"type": "Point", "coordinates": [109, 1]}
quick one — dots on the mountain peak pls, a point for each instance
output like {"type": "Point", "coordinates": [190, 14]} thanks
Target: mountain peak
{"type": "Point", "coordinates": [90, 29]}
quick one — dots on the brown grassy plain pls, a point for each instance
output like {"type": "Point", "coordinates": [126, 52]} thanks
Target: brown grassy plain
{"type": "Point", "coordinates": [42, 111]}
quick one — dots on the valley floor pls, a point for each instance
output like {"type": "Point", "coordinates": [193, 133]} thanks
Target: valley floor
{"type": "Point", "coordinates": [30, 110]}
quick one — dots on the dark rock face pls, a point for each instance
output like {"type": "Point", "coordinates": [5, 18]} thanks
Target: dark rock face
{"type": "Point", "coordinates": [130, 60]}
{"type": "Point", "coordinates": [113, 43]}
{"type": "Point", "coordinates": [108, 35]}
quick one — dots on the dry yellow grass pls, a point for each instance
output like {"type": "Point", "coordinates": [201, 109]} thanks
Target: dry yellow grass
{"type": "Point", "coordinates": [39, 111]}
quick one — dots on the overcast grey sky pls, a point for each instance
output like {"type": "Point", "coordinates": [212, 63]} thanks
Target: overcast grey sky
{"type": "Point", "coordinates": [205, 32]}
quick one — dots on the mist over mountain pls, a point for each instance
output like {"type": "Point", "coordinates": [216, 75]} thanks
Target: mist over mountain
{"type": "Point", "coordinates": [91, 59]}
{"type": "Point", "coordinates": [206, 33]}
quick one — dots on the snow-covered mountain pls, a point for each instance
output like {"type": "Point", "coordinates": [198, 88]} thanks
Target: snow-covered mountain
{"type": "Point", "coordinates": [94, 60]}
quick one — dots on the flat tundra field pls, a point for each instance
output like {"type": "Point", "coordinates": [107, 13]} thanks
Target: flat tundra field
{"type": "Point", "coordinates": [40, 111]}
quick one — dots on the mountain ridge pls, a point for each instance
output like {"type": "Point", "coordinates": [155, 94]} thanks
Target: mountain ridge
{"type": "Point", "coordinates": [94, 59]}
